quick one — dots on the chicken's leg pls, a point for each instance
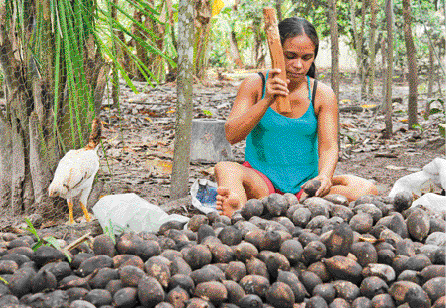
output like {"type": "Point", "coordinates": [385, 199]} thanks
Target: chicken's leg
{"type": "Point", "coordinates": [70, 211]}
{"type": "Point", "coordinates": [84, 209]}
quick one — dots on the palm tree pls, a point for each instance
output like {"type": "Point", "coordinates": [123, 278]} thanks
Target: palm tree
{"type": "Point", "coordinates": [52, 53]}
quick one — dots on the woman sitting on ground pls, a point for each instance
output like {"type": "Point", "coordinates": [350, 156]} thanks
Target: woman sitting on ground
{"type": "Point", "coordinates": [284, 151]}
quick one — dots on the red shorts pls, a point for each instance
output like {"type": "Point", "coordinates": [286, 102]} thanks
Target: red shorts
{"type": "Point", "coordinates": [271, 188]}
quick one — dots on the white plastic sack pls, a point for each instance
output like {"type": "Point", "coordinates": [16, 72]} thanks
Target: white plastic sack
{"type": "Point", "coordinates": [435, 203]}
{"type": "Point", "coordinates": [130, 212]}
{"type": "Point", "coordinates": [436, 170]}
{"type": "Point", "coordinates": [413, 183]}
{"type": "Point", "coordinates": [203, 193]}
{"type": "Point", "coordinates": [433, 173]}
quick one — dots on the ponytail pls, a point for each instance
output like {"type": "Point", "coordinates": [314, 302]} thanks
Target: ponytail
{"type": "Point", "coordinates": [312, 71]}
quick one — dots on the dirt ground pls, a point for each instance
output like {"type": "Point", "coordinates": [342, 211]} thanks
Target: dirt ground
{"type": "Point", "coordinates": [139, 147]}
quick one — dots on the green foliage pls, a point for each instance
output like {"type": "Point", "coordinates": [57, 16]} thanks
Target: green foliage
{"type": "Point", "coordinates": [351, 138]}
{"type": "Point", "coordinates": [417, 126]}
{"type": "Point", "coordinates": [437, 110]}
{"type": "Point", "coordinates": [2, 81]}
{"type": "Point", "coordinates": [207, 112]}
{"type": "Point", "coordinates": [243, 22]}
{"type": "Point", "coordinates": [65, 44]}
{"type": "Point", "coordinates": [105, 37]}
{"type": "Point", "coordinates": [109, 230]}
{"type": "Point", "coordinates": [46, 241]}
{"type": "Point", "coordinates": [246, 23]}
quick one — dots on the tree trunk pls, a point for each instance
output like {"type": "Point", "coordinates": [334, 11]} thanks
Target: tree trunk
{"type": "Point", "coordinates": [123, 56]}
{"type": "Point", "coordinates": [334, 47]}
{"type": "Point", "coordinates": [5, 163]}
{"type": "Point", "coordinates": [333, 16]}
{"type": "Point", "coordinates": [358, 35]}
{"type": "Point", "coordinates": [235, 52]}
{"type": "Point", "coordinates": [373, 26]}
{"type": "Point", "coordinates": [383, 58]}
{"type": "Point", "coordinates": [115, 48]}
{"type": "Point", "coordinates": [444, 12]}
{"type": "Point", "coordinates": [179, 186]}
{"type": "Point", "coordinates": [355, 34]}
{"type": "Point", "coordinates": [430, 71]}
{"type": "Point", "coordinates": [37, 125]}
{"type": "Point", "coordinates": [157, 63]}
{"type": "Point", "coordinates": [412, 64]}
{"type": "Point", "coordinates": [172, 71]}
{"type": "Point", "coordinates": [389, 70]}
{"type": "Point", "coordinates": [258, 52]}
{"type": "Point", "coordinates": [203, 15]}
{"type": "Point", "coordinates": [141, 51]}
{"type": "Point", "coordinates": [361, 39]}
{"type": "Point", "coordinates": [154, 63]}
{"type": "Point", "coordinates": [279, 10]}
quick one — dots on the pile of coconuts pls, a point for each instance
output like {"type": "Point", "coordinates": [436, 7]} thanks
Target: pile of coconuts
{"type": "Point", "coordinates": [274, 252]}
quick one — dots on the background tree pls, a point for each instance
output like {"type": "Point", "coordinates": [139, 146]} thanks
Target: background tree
{"type": "Point", "coordinates": [335, 77]}
{"type": "Point", "coordinates": [115, 71]}
{"type": "Point", "coordinates": [47, 111]}
{"type": "Point", "coordinates": [332, 13]}
{"type": "Point", "coordinates": [430, 83]}
{"type": "Point", "coordinates": [372, 44]}
{"type": "Point", "coordinates": [279, 10]}
{"type": "Point", "coordinates": [181, 155]}
{"type": "Point", "coordinates": [412, 65]}
{"type": "Point", "coordinates": [202, 22]}
{"type": "Point", "coordinates": [52, 57]}
{"type": "Point", "coordinates": [389, 71]}
{"type": "Point", "coordinates": [358, 37]}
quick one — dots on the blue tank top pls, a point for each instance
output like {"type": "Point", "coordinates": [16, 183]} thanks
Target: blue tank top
{"type": "Point", "coordinates": [285, 149]}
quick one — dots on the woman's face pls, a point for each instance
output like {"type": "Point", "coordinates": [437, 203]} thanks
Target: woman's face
{"type": "Point", "coordinates": [299, 55]}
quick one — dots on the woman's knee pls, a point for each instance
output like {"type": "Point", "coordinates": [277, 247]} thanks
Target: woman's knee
{"type": "Point", "coordinates": [226, 167]}
{"type": "Point", "coordinates": [356, 184]}
{"type": "Point", "coordinates": [370, 188]}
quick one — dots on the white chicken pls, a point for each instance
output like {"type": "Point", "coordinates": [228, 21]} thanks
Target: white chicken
{"type": "Point", "coordinates": [76, 171]}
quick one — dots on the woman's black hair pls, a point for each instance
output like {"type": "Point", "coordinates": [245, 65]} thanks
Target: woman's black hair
{"type": "Point", "coordinates": [295, 26]}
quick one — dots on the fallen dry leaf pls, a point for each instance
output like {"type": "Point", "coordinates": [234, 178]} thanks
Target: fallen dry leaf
{"type": "Point", "coordinates": [160, 154]}
{"type": "Point", "coordinates": [368, 106]}
{"type": "Point", "coordinates": [127, 149]}
{"type": "Point", "coordinates": [159, 166]}
{"type": "Point", "coordinates": [209, 171]}
{"type": "Point", "coordinates": [48, 224]}
{"type": "Point", "coordinates": [392, 167]}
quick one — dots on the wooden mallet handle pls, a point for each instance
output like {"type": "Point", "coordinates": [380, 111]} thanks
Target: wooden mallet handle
{"type": "Point", "coordinates": [276, 52]}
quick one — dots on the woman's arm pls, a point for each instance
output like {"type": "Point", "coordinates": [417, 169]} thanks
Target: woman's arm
{"type": "Point", "coordinates": [247, 110]}
{"type": "Point", "coordinates": [327, 113]}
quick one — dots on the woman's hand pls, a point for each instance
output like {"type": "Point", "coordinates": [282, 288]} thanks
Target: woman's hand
{"type": "Point", "coordinates": [325, 185]}
{"type": "Point", "coordinates": [323, 190]}
{"type": "Point", "coordinates": [275, 86]}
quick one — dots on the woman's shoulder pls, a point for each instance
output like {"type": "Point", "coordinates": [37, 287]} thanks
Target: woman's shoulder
{"type": "Point", "coordinates": [325, 98]}
{"type": "Point", "coordinates": [252, 83]}
{"type": "Point", "coordinates": [324, 91]}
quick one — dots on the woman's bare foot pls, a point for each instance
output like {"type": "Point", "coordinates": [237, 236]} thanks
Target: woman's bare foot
{"type": "Point", "coordinates": [227, 202]}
